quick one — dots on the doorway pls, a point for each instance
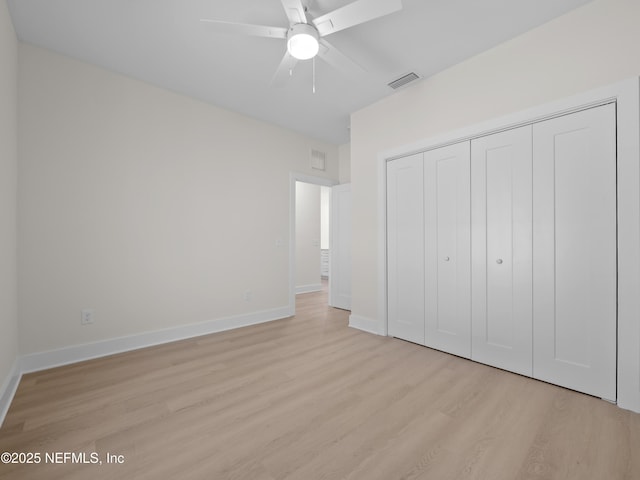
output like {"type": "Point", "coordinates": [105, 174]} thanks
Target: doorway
{"type": "Point", "coordinates": [306, 237]}
{"type": "Point", "coordinates": [312, 237]}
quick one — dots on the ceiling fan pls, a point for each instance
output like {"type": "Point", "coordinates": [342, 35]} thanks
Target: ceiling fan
{"type": "Point", "coordinates": [305, 35]}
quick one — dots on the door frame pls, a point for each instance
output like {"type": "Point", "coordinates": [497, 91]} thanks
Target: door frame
{"type": "Point", "coordinates": [293, 178]}
{"type": "Point", "coordinates": [626, 95]}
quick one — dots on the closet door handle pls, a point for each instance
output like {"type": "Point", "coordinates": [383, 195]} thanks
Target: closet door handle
{"type": "Point", "coordinates": [446, 259]}
{"type": "Point", "coordinates": [499, 261]}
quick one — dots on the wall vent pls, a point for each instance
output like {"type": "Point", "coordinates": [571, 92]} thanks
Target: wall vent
{"type": "Point", "coordinates": [318, 160]}
{"type": "Point", "coordinates": [403, 80]}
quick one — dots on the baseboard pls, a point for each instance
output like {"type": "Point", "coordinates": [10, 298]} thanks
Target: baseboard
{"type": "Point", "coordinates": [8, 389]}
{"type": "Point", "coordinates": [315, 287]}
{"type": "Point", "coordinates": [78, 353]}
{"type": "Point", "coordinates": [365, 324]}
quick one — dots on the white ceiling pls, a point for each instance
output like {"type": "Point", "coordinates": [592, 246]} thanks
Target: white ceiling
{"type": "Point", "coordinates": [163, 42]}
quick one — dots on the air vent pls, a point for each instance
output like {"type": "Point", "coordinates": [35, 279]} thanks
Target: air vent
{"type": "Point", "coordinates": [318, 159]}
{"type": "Point", "coordinates": [403, 80]}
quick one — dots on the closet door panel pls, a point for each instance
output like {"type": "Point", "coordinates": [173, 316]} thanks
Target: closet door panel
{"type": "Point", "coordinates": [501, 250]}
{"type": "Point", "coordinates": [405, 248]}
{"type": "Point", "coordinates": [447, 249]}
{"type": "Point", "coordinates": [575, 251]}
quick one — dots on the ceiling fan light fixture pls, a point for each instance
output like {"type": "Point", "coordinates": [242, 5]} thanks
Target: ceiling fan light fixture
{"type": "Point", "coordinates": [302, 41]}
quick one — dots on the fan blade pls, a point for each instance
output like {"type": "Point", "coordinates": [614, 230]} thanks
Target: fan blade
{"type": "Point", "coordinates": [245, 29]}
{"type": "Point", "coordinates": [295, 11]}
{"type": "Point", "coordinates": [284, 70]}
{"type": "Point", "coordinates": [360, 11]}
{"type": "Point", "coordinates": [340, 61]}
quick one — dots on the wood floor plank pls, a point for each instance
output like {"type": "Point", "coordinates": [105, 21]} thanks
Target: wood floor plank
{"type": "Point", "coordinates": [309, 398]}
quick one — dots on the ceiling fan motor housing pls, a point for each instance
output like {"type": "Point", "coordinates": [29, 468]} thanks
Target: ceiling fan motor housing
{"type": "Point", "coordinates": [302, 41]}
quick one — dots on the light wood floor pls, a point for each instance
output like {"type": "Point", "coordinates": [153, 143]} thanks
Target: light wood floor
{"type": "Point", "coordinates": [308, 398]}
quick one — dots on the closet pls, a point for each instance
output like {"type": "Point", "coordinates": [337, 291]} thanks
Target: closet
{"type": "Point", "coordinates": [405, 242]}
{"type": "Point", "coordinates": [447, 249]}
{"type": "Point", "coordinates": [575, 251]}
{"type": "Point", "coordinates": [502, 249]}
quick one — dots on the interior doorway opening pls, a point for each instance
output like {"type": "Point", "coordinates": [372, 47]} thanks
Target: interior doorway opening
{"type": "Point", "coordinates": [312, 267]}
{"type": "Point", "coordinates": [312, 225]}
{"type": "Point", "coordinates": [306, 235]}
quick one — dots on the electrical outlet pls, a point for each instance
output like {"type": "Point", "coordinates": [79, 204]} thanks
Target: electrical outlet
{"type": "Point", "coordinates": [247, 296]}
{"type": "Point", "coordinates": [87, 316]}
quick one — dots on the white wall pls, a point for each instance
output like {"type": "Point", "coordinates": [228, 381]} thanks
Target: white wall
{"type": "Point", "coordinates": [307, 237]}
{"type": "Point", "coordinates": [592, 46]}
{"type": "Point", "coordinates": [8, 185]}
{"type": "Point", "coordinates": [325, 217]}
{"type": "Point", "coordinates": [153, 209]}
{"type": "Point", "coordinates": [344, 155]}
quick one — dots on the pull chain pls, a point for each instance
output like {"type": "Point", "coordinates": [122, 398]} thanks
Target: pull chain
{"type": "Point", "coordinates": [314, 74]}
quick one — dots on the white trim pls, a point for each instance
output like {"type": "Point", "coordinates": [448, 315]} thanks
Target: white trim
{"type": "Point", "coordinates": [315, 287]}
{"type": "Point", "coordinates": [8, 389]}
{"type": "Point", "coordinates": [293, 178]}
{"type": "Point", "coordinates": [627, 95]}
{"type": "Point", "coordinates": [628, 131]}
{"type": "Point", "coordinates": [382, 246]}
{"type": "Point", "coordinates": [78, 353]}
{"type": "Point", "coordinates": [507, 122]}
{"type": "Point", "coordinates": [365, 324]}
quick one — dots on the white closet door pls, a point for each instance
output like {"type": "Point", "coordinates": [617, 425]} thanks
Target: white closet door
{"type": "Point", "coordinates": [340, 250]}
{"type": "Point", "coordinates": [448, 249]}
{"type": "Point", "coordinates": [501, 200]}
{"type": "Point", "coordinates": [405, 248]}
{"type": "Point", "coordinates": [575, 251]}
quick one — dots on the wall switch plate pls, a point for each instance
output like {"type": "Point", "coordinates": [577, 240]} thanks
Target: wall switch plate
{"type": "Point", "coordinates": [87, 316]}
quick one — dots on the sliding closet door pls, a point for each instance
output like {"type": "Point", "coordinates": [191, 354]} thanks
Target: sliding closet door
{"type": "Point", "coordinates": [448, 249]}
{"type": "Point", "coordinates": [501, 250]}
{"type": "Point", "coordinates": [405, 248]}
{"type": "Point", "coordinates": [575, 251]}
